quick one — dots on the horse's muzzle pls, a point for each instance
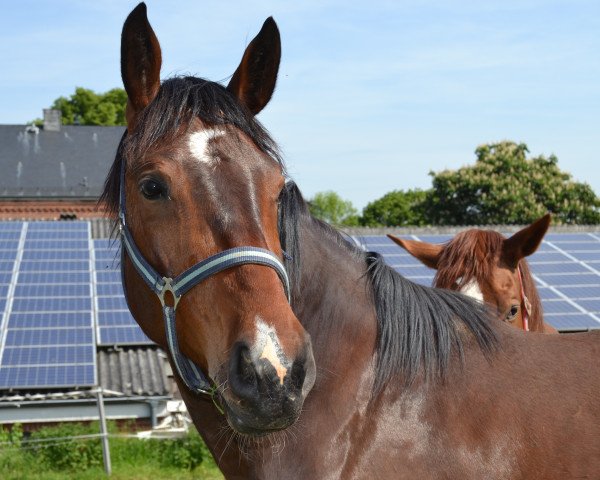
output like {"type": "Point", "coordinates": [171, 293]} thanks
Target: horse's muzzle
{"type": "Point", "coordinates": [266, 390]}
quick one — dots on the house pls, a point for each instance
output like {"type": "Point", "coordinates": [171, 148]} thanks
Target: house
{"type": "Point", "coordinates": [65, 330]}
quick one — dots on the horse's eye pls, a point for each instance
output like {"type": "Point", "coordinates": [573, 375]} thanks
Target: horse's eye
{"type": "Point", "coordinates": [510, 316]}
{"type": "Point", "coordinates": [151, 189]}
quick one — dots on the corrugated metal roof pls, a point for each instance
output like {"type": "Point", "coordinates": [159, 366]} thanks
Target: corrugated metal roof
{"type": "Point", "coordinates": [102, 228]}
{"type": "Point", "coordinates": [135, 371]}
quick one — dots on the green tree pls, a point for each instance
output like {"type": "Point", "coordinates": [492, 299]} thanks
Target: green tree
{"type": "Point", "coordinates": [333, 209]}
{"type": "Point", "coordinates": [505, 187]}
{"type": "Point", "coordinates": [87, 107]}
{"type": "Point", "coordinates": [394, 209]}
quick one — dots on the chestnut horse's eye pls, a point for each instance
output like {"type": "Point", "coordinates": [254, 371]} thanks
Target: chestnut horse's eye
{"type": "Point", "coordinates": [152, 190]}
{"type": "Point", "coordinates": [510, 316]}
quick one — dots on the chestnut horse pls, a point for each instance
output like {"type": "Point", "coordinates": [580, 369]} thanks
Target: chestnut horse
{"type": "Point", "coordinates": [489, 267]}
{"type": "Point", "coordinates": [337, 366]}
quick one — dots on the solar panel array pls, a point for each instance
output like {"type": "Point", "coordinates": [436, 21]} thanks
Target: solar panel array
{"type": "Point", "coordinates": [566, 269]}
{"type": "Point", "coordinates": [115, 324]}
{"type": "Point", "coordinates": [61, 296]}
{"type": "Point", "coordinates": [47, 334]}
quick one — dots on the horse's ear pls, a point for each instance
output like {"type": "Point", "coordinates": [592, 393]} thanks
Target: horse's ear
{"type": "Point", "coordinates": [525, 241]}
{"type": "Point", "coordinates": [254, 80]}
{"type": "Point", "coordinates": [140, 62]}
{"type": "Point", "coordinates": [428, 253]}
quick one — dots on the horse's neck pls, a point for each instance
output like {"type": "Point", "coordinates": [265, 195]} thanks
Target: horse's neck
{"type": "Point", "coordinates": [334, 303]}
{"type": "Point", "coordinates": [334, 307]}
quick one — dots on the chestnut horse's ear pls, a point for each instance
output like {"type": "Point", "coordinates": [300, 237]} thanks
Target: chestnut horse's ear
{"type": "Point", "coordinates": [525, 241]}
{"type": "Point", "coordinates": [254, 80]}
{"type": "Point", "coordinates": [428, 253]}
{"type": "Point", "coordinates": [140, 61]}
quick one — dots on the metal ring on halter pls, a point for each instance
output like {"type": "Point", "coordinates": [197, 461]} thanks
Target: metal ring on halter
{"type": "Point", "coordinates": [168, 287]}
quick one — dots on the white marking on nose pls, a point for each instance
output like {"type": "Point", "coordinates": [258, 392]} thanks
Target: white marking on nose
{"type": "Point", "coordinates": [269, 347]}
{"type": "Point", "coordinates": [473, 290]}
{"type": "Point", "coordinates": [198, 144]}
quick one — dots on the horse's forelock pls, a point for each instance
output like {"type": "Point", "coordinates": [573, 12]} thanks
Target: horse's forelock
{"type": "Point", "coordinates": [469, 255]}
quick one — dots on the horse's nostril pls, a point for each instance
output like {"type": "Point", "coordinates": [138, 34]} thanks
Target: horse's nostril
{"type": "Point", "coordinates": [298, 374]}
{"type": "Point", "coordinates": [242, 373]}
{"type": "Point", "coordinates": [246, 367]}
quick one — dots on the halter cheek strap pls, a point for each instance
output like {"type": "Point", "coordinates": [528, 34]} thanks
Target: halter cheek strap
{"type": "Point", "coordinates": [190, 373]}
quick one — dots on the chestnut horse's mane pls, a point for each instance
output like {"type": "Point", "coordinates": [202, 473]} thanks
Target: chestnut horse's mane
{"type": "Point", "coordinates": [418, 327]}
{"type": "Point", "coordinates": [473, 254]}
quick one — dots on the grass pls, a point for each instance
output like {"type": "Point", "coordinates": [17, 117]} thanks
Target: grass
{"type": "Point", "coordinates": [131, 458]}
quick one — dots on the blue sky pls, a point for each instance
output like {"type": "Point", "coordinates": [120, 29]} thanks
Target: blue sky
{"type": "Point", "coordinates": [371, 95]}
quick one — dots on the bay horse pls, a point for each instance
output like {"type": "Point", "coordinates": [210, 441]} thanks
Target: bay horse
{"type": "Point", "coordinates": [491, 268]}
{"type": "Point", "coordinates": [339, 368]}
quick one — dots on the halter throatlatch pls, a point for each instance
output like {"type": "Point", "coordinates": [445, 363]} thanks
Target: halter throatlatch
{"type": "Point", "coordinates": [190, 373]}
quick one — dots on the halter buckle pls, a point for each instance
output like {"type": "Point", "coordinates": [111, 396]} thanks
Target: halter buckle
{"type": "Point", "coordinates": [168, 287]}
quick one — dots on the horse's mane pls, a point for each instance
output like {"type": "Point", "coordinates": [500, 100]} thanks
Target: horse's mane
{"type": "Point", "coordinates": [418, 327]}
{"type": "Point", "coordinates": [473, 254]}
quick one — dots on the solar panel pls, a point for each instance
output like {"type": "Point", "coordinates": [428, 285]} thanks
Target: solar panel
{"type": "Point", "coordinates": [57, 244]}
{"type": "Point", "coordinates": [61, 227]}
{"type": "Point", "coordinates": [108, 264]}
{"type": "Point", "coordinates": [55, 235]}
{"type": "Point", "coordinates": [60, 304]}
{"type": "Point", "coordinates": [55, 266]}
{"type": "Point", "coordinates": [575, 322]}
{"type": "Point", "coordinates": [50, 320]}
{"type": "Point", "coordinates": [112, 303]}
{"type": "Point", "coordinates": [109, 289]}
{"type": "Point", "coordinates": [63, 354]}
{"type": "Point", "coordinates": [580, 292]}
{"type": "Point", "coordinates": [44, 290]}
{"type": "Point", "coordinates": [64, 255]}
{"type": "Point", "coordinates": [48, 339]}
{"type": "Point", "coordinates": [553, 268]}
{"type": "Point", "coordinates": [49, 336]}
{"type": "Point", "coordinates": [591, 246]}
{"type": "Point", "coordinates": [6, 265]}
{"type": "Point", "coordinates": [123, 335]}
{"type": "Point", "coordinates": [53, 277]}
{"type": "Point", "coordinates": [8, 254]}
{"type": "Point", "coordinates": [566, 268]}
{"type": "Point", "coordinates": [47, 376]}
{"type": "Point", "coordinates": [567, 237]}
{"type": "Point", "coordinates": [116, 318]}
{"type": "Point", "coordinates": [116, 326]}
{"type": "Point", "coordinates": [9, 244]}
{"type": "Point", "coordinates": [559, 280]}
{"type": "Point", "coordinates": [111, 276]}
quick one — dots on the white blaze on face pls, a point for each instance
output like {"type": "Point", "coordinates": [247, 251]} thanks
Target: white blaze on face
{"type": "Point", "coordinates": [268, 347]}
{"type": "Point", "coordinates": [472, 290]}
{"type": "Point", "coordinates": [198, 144]}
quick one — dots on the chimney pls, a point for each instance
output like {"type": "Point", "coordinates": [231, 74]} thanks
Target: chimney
{"type": "Point", "coordinates": [52, 120]}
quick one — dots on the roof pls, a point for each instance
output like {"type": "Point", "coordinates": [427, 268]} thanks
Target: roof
{"type": "Point", "coordinates": [70, 163]}
{"type": "Point", "coordinates": [136, 371]}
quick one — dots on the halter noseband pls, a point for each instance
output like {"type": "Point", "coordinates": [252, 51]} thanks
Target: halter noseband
{"type": "Point", "coordinates": [190, 373]}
